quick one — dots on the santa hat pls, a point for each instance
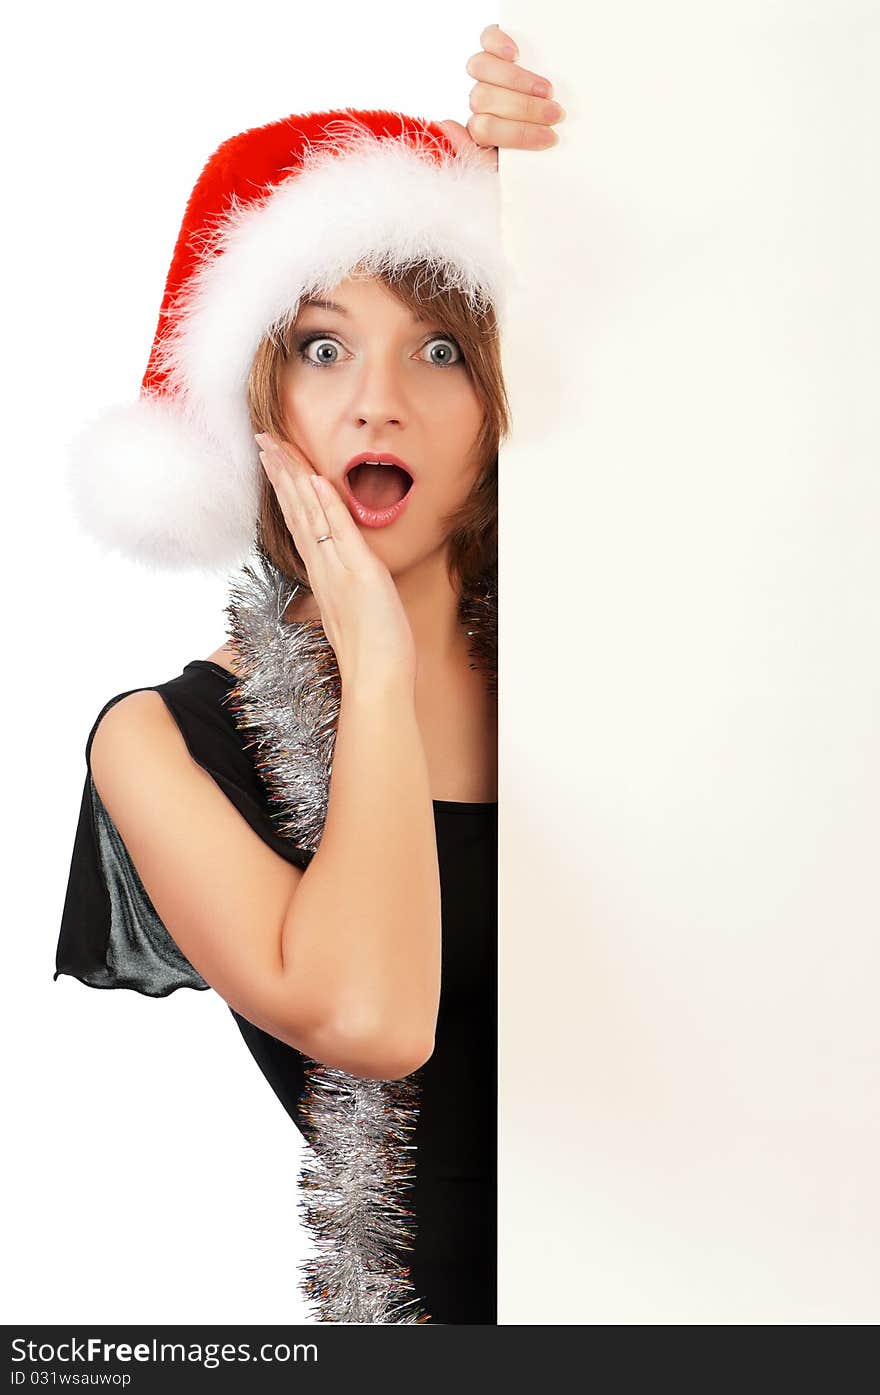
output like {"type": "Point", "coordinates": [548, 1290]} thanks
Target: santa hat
{"type": "Point", "coordinates": [278, 213]}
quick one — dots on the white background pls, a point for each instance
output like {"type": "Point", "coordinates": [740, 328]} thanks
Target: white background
{"type": "Point", "coordinates": [689, 687]}
{"type": "Point", "coordinates": [690, 801]}
{"type": "Point", "coordinates": [150, 1171]}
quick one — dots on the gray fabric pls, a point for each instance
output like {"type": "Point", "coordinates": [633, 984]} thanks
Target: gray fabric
{"type": "Point", "coordinates": [140, 952]}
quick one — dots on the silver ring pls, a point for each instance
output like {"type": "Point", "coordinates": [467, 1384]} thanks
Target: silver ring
{"type": "Point", "coordinates": [326, 538]}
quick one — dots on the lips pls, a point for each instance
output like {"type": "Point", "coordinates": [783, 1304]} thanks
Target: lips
{"type": "Point", "coordinates": [377, 488]}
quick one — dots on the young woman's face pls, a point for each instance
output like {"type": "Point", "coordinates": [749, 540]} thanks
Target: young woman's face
{"type": "Point", "coordinates": [367, 377]}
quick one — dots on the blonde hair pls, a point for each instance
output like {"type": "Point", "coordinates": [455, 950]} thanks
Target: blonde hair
{"type": "Point", "coordinates": [472, 530]}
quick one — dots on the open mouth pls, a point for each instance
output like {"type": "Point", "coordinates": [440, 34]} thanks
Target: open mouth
{"type": "Point", "coordinates": [377, 485]}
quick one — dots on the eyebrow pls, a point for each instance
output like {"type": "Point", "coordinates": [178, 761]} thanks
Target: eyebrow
{"type": "Point", "coordinates": [315, 304]}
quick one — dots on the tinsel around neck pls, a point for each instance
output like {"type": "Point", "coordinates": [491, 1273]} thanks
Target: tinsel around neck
{"type": "Point", "coordinates": [288, 695]}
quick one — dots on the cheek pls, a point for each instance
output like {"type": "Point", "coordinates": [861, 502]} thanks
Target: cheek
{"type": "Point", "coordinates": [450, 487]}
{"type": "Point", "coordinates": [457, 401]}
{"type": "Point", "coordinates": [303, 413]}
{"type": "Point", "coordinates": [294, 398]}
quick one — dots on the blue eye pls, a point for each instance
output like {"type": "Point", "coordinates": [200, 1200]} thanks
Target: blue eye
{"type": "Point", "coordinates": [315, 339]}
{"type": "Point", "coordinates": [324, 339]}
{"type": "Point", "coordinates": [444, 339]}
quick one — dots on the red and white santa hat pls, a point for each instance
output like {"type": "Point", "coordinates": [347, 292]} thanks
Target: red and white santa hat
{"type": "Point", "coordinates": [278, 213]}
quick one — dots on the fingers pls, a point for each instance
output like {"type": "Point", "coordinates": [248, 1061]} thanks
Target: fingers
{"type": "Point", "coordinates": [487, 68]}
{"type": "Point", "coordinates": [509, 134]}
{"type": "Point", "coordinates": [496, 41]}
{"type": "Point", "coordinates": [303, 513]}
{"type": "Point", "coordinates": [487, 99]}
{"type": "Point", "coordinates": [460, 138]}
{"type": "Point", "coordinates": [283, 452]}
{"type": "Point", "coordinates": [512, 106]}
{"type": "Point", "coordinates": [349, 545]}
{"type": "Point", "coordinates": [308, 513]}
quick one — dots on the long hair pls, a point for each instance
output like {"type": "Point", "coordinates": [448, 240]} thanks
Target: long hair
{"type": "Point", "coordinates": [472, 530]}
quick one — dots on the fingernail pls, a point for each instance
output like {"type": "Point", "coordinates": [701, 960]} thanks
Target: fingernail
{"type": "Point", "coordinates": [541, 89]}
{"type": "Point", "coordinates": [509, 51]}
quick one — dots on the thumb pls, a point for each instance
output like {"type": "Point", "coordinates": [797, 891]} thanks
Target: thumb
{"type": "Point", "coordinates": [456, 133]}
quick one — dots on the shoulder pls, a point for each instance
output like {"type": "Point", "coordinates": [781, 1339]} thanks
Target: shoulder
{"type": "Point", "coordinates": [153, 739]}
{"type": "Point", "coordinates": [186, 713]}
{"type": "Point", "coordinates": [161, 778]}
{"type": "Point", "coordinates": [193, 706]}
{"type": "Point", "coordinates": [132, 731]}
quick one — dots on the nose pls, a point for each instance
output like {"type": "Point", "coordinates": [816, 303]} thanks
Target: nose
{"type": "Point", "coordinates": [379, 396]}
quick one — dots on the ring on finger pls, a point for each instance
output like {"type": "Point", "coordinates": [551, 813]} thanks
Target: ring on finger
{"type": "Point", "coordinates": [303, 483]}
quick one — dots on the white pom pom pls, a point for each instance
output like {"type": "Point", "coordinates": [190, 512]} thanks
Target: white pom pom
{"type": "Point", "coordinates": [145, 481]}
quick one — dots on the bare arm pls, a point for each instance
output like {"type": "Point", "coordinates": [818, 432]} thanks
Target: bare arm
{"type": "Point", "coordinates": [228, 900]}
{"type": "Point", "coordinates": [364, 926]}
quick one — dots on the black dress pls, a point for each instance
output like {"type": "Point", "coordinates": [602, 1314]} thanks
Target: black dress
{"type": "Point", "coordinates": [112, 937]}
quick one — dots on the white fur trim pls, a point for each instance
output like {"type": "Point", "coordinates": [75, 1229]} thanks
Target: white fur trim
{"type": "Point", "coordinates": [143, 481]}
{"type": "Point", "coordinates": [173, 480]}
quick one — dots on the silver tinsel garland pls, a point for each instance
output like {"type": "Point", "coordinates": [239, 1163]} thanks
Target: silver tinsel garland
{"type": "Point", "coordinates": [355, 1180]}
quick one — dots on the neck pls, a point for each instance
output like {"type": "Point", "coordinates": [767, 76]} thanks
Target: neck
{"type": "Point", "coordinates": [443, 627]}
{"type": "Point", "coordinates": [432, 609]}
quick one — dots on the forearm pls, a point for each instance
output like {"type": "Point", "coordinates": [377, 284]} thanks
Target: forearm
{"type": "Point", "coordinates": [361, 941]}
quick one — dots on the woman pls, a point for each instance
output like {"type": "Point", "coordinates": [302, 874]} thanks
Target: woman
{"type": "Point", "coordinates": [333, 293]}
